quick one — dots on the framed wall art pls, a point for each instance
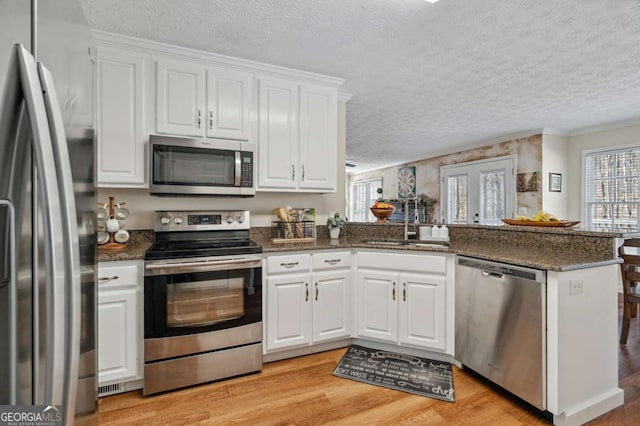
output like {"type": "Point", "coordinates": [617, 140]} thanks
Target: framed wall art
{"type": "Point", "coordinates": [407, 181]}
{"type": "Point", "coordinates": [555, 182]}
{"type": "Point", "coordinates": [526, 182]}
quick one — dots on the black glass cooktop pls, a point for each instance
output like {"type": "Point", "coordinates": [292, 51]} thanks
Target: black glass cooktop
{"type": "Point", "coordinates": [167, 248]}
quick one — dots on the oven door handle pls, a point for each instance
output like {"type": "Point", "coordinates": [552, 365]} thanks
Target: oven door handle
{"type": "Point", "coordinates": [204, 266]}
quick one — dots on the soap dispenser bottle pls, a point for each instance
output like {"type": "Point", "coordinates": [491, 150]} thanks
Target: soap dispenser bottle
{"type": "Point", "coordinates": [444, 231]}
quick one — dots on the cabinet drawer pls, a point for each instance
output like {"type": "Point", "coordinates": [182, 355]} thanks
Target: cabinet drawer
{"type": "Point", "coordinates": [288, 263]}
{"type": "Point", "coordinates": [331, 260]}
{"type": "Point", "coordinates": [404, 262]}
{"type": "Point", "coordinates": [118, 275]}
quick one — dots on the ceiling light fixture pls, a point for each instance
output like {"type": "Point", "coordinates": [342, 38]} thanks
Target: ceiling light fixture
{"type": "Point", "coordinates": [432, 1]}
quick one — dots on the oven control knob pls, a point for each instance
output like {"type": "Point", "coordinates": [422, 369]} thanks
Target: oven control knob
{"type": "Point", "coordinates": [240, 219]}
{"type": "Point", "coordinates": [229, 219]}
{"type": "Point", "coordinates": [165, 220]}
{"type": "Point", "coordinates": [177, 220]}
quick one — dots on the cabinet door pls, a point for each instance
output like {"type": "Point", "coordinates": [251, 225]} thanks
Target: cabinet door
{"type": "Point", "coordinates": [422, 310]}
{"type": "Point", "coordinates": [180, 98]}
{"type": "Point", "coordinates": [117, 335]}
{"type": "Point", "coordinates": [331, 305]}
{"type": "Point", "coordinates": [289, 311]}
{"type": "Point", "coordinates": [278, 134]}
{"type": "Point", "coordinates": [120, 121]}
{"type": "Point", "coordinates": [378, 307]}
{"type": "Point", "coordinates": [228, 104]}
{"type": "Point", "coordinates": [318, 138]}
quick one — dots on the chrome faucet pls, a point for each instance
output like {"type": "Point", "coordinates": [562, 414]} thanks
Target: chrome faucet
{"type": "Point", "coordinates": [416, 219]}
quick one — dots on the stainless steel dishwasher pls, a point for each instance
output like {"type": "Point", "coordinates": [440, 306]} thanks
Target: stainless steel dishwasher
{"type": "Point", "coordinates": [500, 325]}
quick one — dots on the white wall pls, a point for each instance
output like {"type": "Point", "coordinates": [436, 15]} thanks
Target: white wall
{"type": "Point", "coordinates": [604, 139]}
{"type": "Point", "coordinates": [554, 160]}
{"type": "Point", "coordinates": [142, 205]}
{"type": "Point", "coordinates": [528, 152]}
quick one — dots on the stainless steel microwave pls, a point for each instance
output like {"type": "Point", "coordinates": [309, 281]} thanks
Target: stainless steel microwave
{"type": "Point", "coordinates": [183, 166]}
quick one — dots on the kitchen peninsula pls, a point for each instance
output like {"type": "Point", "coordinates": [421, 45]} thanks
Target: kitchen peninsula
{"type": "Point", "coordinates": [580, 307]}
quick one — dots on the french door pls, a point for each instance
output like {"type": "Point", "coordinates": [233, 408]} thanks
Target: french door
{"type": "Point", "coordinates": [479, 192]}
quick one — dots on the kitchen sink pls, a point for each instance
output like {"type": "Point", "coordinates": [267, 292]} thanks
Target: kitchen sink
{"type": "Point", "coordinates": [385, 243]}
{"type": "Point", "coordinates": [406, 243]}
{"type": "Point", "coordinates": [427, 245]}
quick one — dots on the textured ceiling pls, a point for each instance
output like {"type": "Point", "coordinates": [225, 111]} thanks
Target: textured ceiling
{"type": "Point", "coordinates": [426, 78]}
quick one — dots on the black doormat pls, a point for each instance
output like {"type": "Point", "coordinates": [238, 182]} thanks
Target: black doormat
{"type": "Point", "coordinates": [420, 376]}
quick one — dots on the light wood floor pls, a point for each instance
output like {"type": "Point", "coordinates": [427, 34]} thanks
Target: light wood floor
{"type": "Point", "coordinates": [302, 391]}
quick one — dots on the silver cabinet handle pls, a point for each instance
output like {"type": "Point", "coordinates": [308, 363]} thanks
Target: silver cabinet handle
{"type": "Point", "coordinates": [332, 261]}
{"type": "Point", "coordinates": [115, 277]}
{"type": "Point", "coordinates": [289, 265]}
{"type": "Point", "coordinates": [293, 172]}
{"type": "Point", "coordinates": [316, 291]}
{"type": "Point", "coordinates": [199, 118]}
{"type": "Point", "coordinates": [210, 120]}
{"type": "Point", "coordinates": [404, 292]}
{"type": "Point", "coordinates": [306, 297]}
{"type": "Point", "coordinates": [303, 172]}
{"type": "Point", "coordinates": [393, 292]}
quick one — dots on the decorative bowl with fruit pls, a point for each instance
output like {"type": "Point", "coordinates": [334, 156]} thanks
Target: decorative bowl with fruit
{"type": "Point", "coordinates": [382, 210]}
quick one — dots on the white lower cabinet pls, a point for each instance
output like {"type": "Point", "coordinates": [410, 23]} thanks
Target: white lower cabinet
{"type": "Point", "coordinates": [402, 299]}
{"type": "Point", "coordinates": [307, 299]}
{"type": "Point", "coordinates": [119, 322]}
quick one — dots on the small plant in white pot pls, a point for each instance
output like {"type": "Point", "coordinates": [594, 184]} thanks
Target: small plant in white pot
{"type": "Point", "coordinates": [334, 223]}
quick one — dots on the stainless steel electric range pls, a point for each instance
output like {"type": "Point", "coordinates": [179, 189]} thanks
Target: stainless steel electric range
{"type": "Point", "coordinates": [202, 300]}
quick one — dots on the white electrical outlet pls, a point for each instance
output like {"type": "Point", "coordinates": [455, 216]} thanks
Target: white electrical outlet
{"type": "Point", "coordinates": [576, 287]}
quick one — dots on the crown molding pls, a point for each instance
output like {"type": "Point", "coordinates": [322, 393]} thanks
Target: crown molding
{"type": "Point", "coordinates": [207, 58]}
{"type": "Point", "coordinates": [344, 97]}
{"type": "Point", "coordinates": [605, 127]}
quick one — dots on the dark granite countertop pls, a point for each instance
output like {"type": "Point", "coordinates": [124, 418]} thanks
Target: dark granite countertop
{"type": "Point", "coordinates": [139, 242]}
{"type": "Point", "coordinates": [522, 256]}
{"type": "Point", "coordinates": [554, 259]}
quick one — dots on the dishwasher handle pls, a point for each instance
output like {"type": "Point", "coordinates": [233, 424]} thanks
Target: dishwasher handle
{"type": "Point", "coordinates": [490, 274]}
{"type": "Point", "coordinates": [499, 270]}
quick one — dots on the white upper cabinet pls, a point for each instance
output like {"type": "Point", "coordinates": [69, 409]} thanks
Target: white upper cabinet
{"type": "Point", "coordinates": [121, 134]}
{"type": "Point", "coordinates": [196, 100]}
{"type": "Point", "coordinates": [318, 137]}
{"type": "Point", "coordinates": [298, 136]}
{"type": "Point", "coordinates": [228, 104]}
{"type": "Point", "coordinates": [278, 134]}
{"type": "Point", "coordinates": [180, 99]}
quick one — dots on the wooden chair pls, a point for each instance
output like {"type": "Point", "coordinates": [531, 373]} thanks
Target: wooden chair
{"type": "Point", "coordinates": [630, 270]}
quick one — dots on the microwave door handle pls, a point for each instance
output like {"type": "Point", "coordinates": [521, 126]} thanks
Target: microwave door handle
{"type": "Point", "coordinates": [238, 169]}
{"type": "Point", "coordinates": [70, 232]}
{"type": "Point", "coordinates": [49, 195]}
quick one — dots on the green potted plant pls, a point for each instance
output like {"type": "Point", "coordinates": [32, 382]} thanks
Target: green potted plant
{"type": "Point", "coordinates": [334, 224]}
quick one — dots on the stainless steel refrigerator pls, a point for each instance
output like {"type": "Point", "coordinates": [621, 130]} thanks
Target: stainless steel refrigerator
{"type": "Point", "coordinates": [47, 204]}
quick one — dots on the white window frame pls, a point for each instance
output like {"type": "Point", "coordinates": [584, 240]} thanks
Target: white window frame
{"type": "Point", "coordinates": [351, 198]}
{"type": "Point", "coordinates": [473, 201]}
{"type": "Point", "coordinates": [585, 217]}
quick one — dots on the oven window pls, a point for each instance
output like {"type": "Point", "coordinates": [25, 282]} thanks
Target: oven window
{"type": "Point", "coordinates": [193, 166]}
{"type": "Point", "coordinates": [204, 302]}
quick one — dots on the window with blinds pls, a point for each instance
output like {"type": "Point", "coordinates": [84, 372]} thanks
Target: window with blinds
{"type": "Point", "coordinates": [363, 195]}
{"type": "Point", "coordinates": [611, 191]}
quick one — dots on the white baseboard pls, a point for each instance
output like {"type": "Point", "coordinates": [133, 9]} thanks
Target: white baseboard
{"type": "Point", "coordinates": [590, 409]}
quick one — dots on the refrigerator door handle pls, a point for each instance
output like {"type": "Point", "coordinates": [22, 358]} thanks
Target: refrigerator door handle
{"type": "Point", "coordinates": [70, 234]}
{"type": "Point", "coordinates": [54, 375]}
{"type": "Point", "coordinates": [13, 302]}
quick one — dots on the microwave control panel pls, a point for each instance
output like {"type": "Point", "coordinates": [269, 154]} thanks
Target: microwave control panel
{"type": "Point", "coordinates": [246, 179]}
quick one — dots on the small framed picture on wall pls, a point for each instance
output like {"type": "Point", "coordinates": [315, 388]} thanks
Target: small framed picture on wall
{"type": "Point", "coordinates": [555, 182]}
